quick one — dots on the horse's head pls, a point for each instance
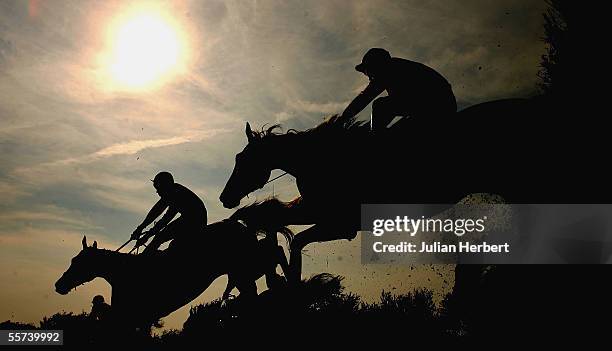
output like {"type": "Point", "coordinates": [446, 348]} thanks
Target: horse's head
{"type": "Point", "coordinates": [81, 269]}
{"type": "Point", "coordinates": [251, 171]}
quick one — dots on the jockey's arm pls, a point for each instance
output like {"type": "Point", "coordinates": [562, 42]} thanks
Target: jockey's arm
{"type": "Point", "coordinates": [363, 99]}
{"type": "Point", "coordinates": [161, 224]}
{"type": "Point", "coordinates": [155, 212]}
{"type": "Point", "coordinates": [168, 216]}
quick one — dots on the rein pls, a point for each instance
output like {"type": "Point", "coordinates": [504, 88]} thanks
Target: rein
{"type": "Point", "coordinates": [275, 178]}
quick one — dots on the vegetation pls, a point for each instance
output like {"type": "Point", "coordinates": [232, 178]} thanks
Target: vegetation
{"type": "Point", "coordinates": [318, 305]}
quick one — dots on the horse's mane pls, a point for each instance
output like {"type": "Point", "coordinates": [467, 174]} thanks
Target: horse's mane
{"type": "Point", "coordinates": [269, 203]}
{"type": "Point", "coordinates": [109, 252]}
{"type": "Point", "coordinates": [118, 258]}
{"type": "Point", "coordinates": [334, 126]}
{"type": "Point", "coordinates": [338, 123]}
{"type": "Point", "coordinates": [261, 215]}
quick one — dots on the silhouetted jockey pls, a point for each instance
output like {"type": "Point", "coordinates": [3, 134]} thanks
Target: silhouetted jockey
{"type": "Point", "coordinates": [100, 310]}
{"type": "Point", "coordinates": [413, 89]}
{"type": "Point", "coordinates": [177, 199]}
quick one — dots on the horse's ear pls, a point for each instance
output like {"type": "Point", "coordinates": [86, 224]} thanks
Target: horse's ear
{"type": "Point", "coordinates": [249, 132]}
{"type": "Point", "coordinates": [95, 245]}
{"type": "Point", "coordinates": [84, 242]}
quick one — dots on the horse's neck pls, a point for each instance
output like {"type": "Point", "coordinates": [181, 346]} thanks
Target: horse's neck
{"type": "Point", "coordinates": [109, 265]}
{"type": "Point", "coordinates": [307, 158]}
{"type": "Point", "coordinates": [285, 152]}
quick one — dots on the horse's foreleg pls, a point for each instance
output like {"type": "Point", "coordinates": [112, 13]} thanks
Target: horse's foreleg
{"type": "Point", "coordinates": [282, 260]}
{"type": "Point", "coordinates": [247, 288]}
{"type": "Point", "coordinates": [273, 257]}
{"type": "Point", "coordinates": [231, 284]}
{"type": "Point", "coordinates": [293, 213]}
{"type": "Point", "coordinates": [248, 293]}
{"type": "Point", "coordinates": [268, 251]}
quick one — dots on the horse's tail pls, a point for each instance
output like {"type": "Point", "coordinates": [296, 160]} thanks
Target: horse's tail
{"type": "Point", "coordinates": [265, 218]}
{"type": "Point", "coordinates": [268, 231]}
{"type": "Point", "coordinates": [287, 234]}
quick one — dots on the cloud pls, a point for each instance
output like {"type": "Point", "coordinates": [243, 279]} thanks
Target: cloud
{"type": "Point", "coordinates": [46, 214]}
{"type": "Point", "coordinates": [314, 107]}
{"type": "Point", "coordinates": [135, 146]}
{"type": "Point", "coordinates": [298, 108]}
{"type": "Point", "coordinates": [10, 192]}
{"type": "Point", "coordinates": [126, 148]}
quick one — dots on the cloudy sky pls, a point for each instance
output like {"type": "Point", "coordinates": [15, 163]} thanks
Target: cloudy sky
{"type": "Point", "coordinates": [86, 119]}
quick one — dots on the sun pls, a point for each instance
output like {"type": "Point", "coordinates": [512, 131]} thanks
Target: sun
{"type": "Point", "coordinates": [146, 48]}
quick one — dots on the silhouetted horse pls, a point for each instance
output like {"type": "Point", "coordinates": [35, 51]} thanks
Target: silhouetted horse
{"type": "Point", "coordinates": [492, 147]}
{"type": "Point", "coordinates": [148, 287]}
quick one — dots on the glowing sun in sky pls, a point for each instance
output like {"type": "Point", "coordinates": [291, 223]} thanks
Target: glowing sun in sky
{"type": "Point", "coordinates": [146, 47]}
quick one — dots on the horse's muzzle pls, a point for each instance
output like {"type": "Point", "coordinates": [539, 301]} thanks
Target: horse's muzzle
{"type": "Point", "coordinates": [230, 204]}
{"type": "Point", "coordinates": [227, 202]}
{"type": "Point", "coordinates": [62, 290]}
